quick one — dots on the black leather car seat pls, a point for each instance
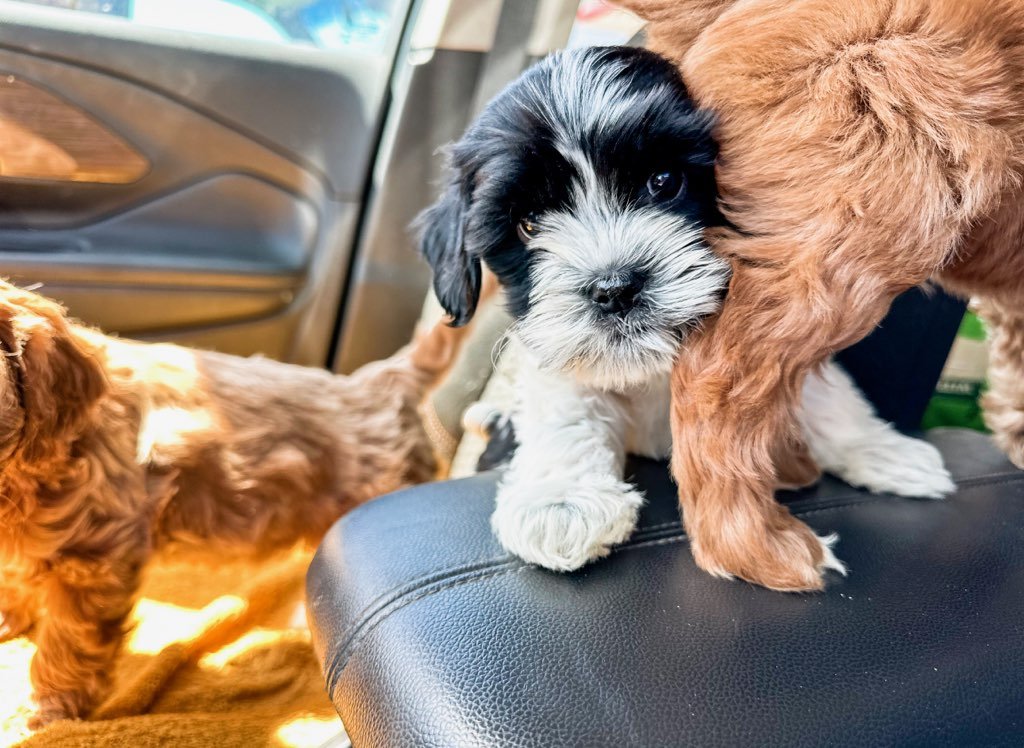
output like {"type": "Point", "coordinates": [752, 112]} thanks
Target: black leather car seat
{"type": "Point", "coordinates": [431, 635]}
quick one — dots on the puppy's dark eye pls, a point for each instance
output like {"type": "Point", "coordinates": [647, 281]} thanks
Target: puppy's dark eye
{"type": "Point", "coordinates": [527, 227]}
{"type": "Point", "coordinates": [666, 185]}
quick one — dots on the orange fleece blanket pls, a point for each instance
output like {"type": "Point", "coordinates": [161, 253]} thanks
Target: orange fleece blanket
{"type": "Point", "coordinates": [217, 658]}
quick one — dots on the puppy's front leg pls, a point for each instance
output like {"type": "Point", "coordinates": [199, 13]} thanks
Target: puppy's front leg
{"type": "Point", "coordinates": [87, 600]}
{"type": "Point", "coordinates": [563, 502]}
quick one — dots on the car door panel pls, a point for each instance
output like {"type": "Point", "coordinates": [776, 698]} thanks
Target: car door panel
{"type": "Point", "coordinates": [237, 232]}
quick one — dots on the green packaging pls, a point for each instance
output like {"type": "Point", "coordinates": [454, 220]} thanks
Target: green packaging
{"type": "Point", "coordinates": [957, 397]}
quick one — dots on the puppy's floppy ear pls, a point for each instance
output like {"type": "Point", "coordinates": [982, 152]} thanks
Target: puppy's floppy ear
{"type": "Point", "coordinates": [59, 376]}
{"type": "Point", "coordinates": [442, 230]}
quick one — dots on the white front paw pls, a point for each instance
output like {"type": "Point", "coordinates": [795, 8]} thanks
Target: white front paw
{"type": "Point", "coordinates": [562, 525]}
{"type": "Point", "coordinates": [899, 465]}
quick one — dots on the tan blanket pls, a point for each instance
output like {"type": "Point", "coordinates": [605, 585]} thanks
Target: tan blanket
{"type": "Point", "coordinates": [218, 658]}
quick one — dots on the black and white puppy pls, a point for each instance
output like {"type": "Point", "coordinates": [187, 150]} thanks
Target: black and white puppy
{"type": "Point", "coordinates": [586, 186]}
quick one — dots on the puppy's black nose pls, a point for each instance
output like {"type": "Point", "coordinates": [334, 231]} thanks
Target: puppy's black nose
{"type": "Point", "coordinates": [617, 294]}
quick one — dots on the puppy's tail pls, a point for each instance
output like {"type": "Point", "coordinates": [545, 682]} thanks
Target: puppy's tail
{"type": "Point", "coordinates": [435, 348]}
{"type": "Point", "coordinates": [676, 24]}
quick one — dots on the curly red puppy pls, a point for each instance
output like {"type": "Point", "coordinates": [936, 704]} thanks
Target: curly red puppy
{"type": "Point", "coordinates": [112, 449]}
{"type": "Point", "coordinates": [865, 148]}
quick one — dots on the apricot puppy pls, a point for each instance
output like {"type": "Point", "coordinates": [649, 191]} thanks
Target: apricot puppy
{"type": "Point", "coordinates": [111, 450]}
{"type": "Point", "coordinates": [865, 147]}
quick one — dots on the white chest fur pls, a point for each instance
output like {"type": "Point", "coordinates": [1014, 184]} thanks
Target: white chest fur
{"type": "Point", "coordinates": [647, 425]}
{"type": "Point", "coordinates": [636, 420]}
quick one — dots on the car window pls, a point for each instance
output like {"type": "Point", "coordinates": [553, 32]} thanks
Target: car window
{"type": "Point", "coordinates": [598, 23]}
{"type": "Point", "coordinates": [328, 24]}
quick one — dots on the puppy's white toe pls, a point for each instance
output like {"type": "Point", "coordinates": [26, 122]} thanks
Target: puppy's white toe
{"type": "Point", "coordinates": [478, 416]}
{"type": "Point", "coordinates": [561, 525]}
{"type": "Point", "coordinates": [899, 465]}
{"type": "Point", "coordinates": [829, 560]}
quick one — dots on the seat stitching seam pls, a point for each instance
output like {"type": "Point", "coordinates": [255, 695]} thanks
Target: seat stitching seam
{"type": "Point", "coordinates": [444, 581]}
{"type": "Point", "coordinates": [385, 598]}
{"type": "Point", "coordinates": [340, 660]}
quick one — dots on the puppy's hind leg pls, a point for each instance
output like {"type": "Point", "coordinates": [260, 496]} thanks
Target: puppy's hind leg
{"type": "Point", "coordinates": [1004, 402]}
{"type": "Point", "coordinates": [848, 440]}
